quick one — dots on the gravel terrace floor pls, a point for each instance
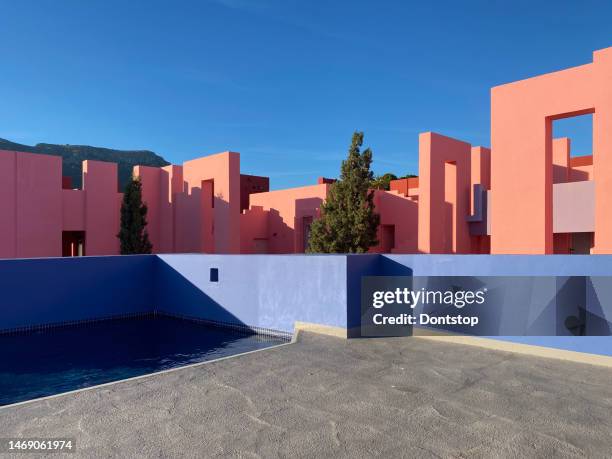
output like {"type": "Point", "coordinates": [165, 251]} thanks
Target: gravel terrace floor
{"type": "Point", "coordinates": [328, 397]}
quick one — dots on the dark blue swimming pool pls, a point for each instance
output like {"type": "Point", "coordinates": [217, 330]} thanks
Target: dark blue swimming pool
{"type": "Point", "coordinates": [52, 361]}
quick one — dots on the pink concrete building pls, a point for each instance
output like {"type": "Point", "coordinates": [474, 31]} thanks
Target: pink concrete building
{"type": "Point", "coordinates": [279, 221]}
{"type": "Point", "coordinates": [522, 114]}
{"type": "Point", "coordinates": [192, 208]}
{"type": "Point", "coordinates": [39, 218]}
{"type": "Point", "coordinates": [526, 194]}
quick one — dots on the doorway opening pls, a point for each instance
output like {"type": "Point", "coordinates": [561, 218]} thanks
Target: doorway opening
{"type": "Point", "coordinates": [73, 243]}
{"type": "Point", "coordinates": [581, 243]}
{"type": "Point", "coordinates": [306, 223]}
{"type": "Point", "coordinates": [387, 238]}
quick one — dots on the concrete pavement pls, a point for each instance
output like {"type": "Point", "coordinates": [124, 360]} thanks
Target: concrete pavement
{"type": "Point", "coordinates": [328, 397]}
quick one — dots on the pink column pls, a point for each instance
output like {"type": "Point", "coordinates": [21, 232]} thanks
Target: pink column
{"type": "Point", "coordinates": [224, 170]}
{"type": "Point", "coordinates": [480, 171]}
{"type": "Point", "coordinates": [150, 178]}
{"type": "Point", "coordinates": [208, 216]}
{"type": "Point", "coordinates": [102, 205]}
{"type": "Point", "coordinates": [254, 230]}
{"type": "Point", "coordinates": [73, 210]}
{"type": "Point", "coordinates": [602, 150]}
{"type": "Point", "coordinates": [561, 159]}
{"type": "Point", "coordinates": [171, 187]}
{"type": "Point", "coordinates": [38, 205]}
{"type": "Point", "coordinates": [521, 140]}
{"type": "Point", "coordinates": [8, 210]}
{"type": "Point", "coordinates": [444, 193]}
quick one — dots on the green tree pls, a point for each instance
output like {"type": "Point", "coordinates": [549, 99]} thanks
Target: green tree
{"type": "Point", "coordinates": [383, 182]}
{"type": "Point", "coordinates": [133, 231]}
{"type": "Point", "coordinates": [348, 223]}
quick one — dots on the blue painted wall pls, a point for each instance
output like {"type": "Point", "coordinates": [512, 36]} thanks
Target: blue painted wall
{"type": "Point", "coordinates": [501, 265]}
{"type": "Point", "coordinates": [55, 290]}
{"type": "Point", "coordinates": [271, 291]}
{"type": "Point", "coordinates": [268, 291]}
{"type": "Point", "coordinates": [356, 267]}
{"type": "Point", "coordinates": [535, 305]}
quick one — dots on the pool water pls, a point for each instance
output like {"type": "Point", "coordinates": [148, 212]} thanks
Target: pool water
{"type": "Point", "coordinates": [52, 361]}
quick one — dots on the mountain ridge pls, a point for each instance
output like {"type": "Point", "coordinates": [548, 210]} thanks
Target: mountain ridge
{"type": "Point", "coordinates": [74, 155]}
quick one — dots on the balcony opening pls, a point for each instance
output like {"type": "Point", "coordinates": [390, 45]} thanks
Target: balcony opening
{"type": "Point", "coordinates": [574, 133]}
{"type": "Point", "coordinates": [579, 129]}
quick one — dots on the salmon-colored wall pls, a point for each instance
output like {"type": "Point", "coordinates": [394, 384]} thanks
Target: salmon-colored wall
{"type": "Point", "coordinates": [38, 205]}
{"type": "Point", "coordinates": [402, 213]}
{"type": "Point", "coordinates": [521, 134]}
{"type": "Point", "coordinates": [480, 171]}
{"type": "Point", "coordinates": [8, 166]}
{"type": "Point", "coordinates": [581, 168]}
{"type": "Point", "coordinates": [286, 211]}
{"type": "Point", "coordinates": [581, 173]}
{"type": "Point", "coordinates": [150, 179]}
{"type": "Point", "coordinates": [170, 187]}
{"type": "Point", "coordinates": [444, 194]}
{"type": "Point", "coordinates": [602, 149]}
{"type": "Point", "coordinates": [406, 186]}
{"type": "Point", "coordinates": [30, 205]}
{"type": "Point", "coordinates": [561, 160]}
{"type": "Point", "coordinates": [102, 204]}
{"type": "Point", "coordinates": [481, 167]}
{"type": "Point", "coordinates": [224, 170]}
{"type": "Point", "coordinates": [561, 174]}
{"type": "Point", "coordinates": [187, 238]}
{"type": "Point", "coordinates": [194, 207]}
{"type": "Point", "coordinates": [567, 168]}
{"type": "Point", "coordinates": [198, 207]}
{"type": "Point", "coordinates": [73, 210]}
{"type": "Point", "coordinates": [35, 208]}
{"type": "Point", "coordinates": [254, 230]}
{"type": "Point", "coordinates": [250, 184]}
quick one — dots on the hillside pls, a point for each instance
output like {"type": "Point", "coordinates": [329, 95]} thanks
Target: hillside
{"type": "Point", "coordinates": [74, 155]}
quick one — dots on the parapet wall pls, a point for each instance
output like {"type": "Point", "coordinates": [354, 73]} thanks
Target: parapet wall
{"type": "Point", "coordinates": [42, 291]}
{"type": "Point", "coordinates": [266, 291]}
{"type": "Point", "coordinates": [276, 291]}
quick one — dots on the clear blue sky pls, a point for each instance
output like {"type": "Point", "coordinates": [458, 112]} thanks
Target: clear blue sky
{"type": "Point", "coordinates": [283, 82]}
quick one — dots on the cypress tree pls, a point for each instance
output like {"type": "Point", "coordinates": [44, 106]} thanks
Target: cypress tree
{"type": "Point", "coordinates": [348, 223]}
{"type": "Point", "coordinates": [133, 233]}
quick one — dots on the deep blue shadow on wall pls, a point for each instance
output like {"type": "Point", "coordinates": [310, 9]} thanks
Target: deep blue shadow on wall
{"type": "Point", "coordinates": [47, 291]}
{"type": "Point", "coordinates": [598, 314]}
{"type": "Point", "coordinates": [514, 305]}
{"type": "Point", "coordinates": [517, 305]}
{"type": "Point", "coordinates": [390, 267]}
{"type": "Point", "coordinates": [358, 266]}
{"type": "Point", "coordinates": [275, 291]}
{"type": "Point", "coordinates": [176, 295]}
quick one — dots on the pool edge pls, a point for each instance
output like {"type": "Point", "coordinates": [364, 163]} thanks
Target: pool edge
{"type": "Point", "coordinates": [135, 378]}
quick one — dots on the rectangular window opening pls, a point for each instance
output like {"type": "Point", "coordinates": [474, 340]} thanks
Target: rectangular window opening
{"type": "Point", "coordinates": [579, 129]}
